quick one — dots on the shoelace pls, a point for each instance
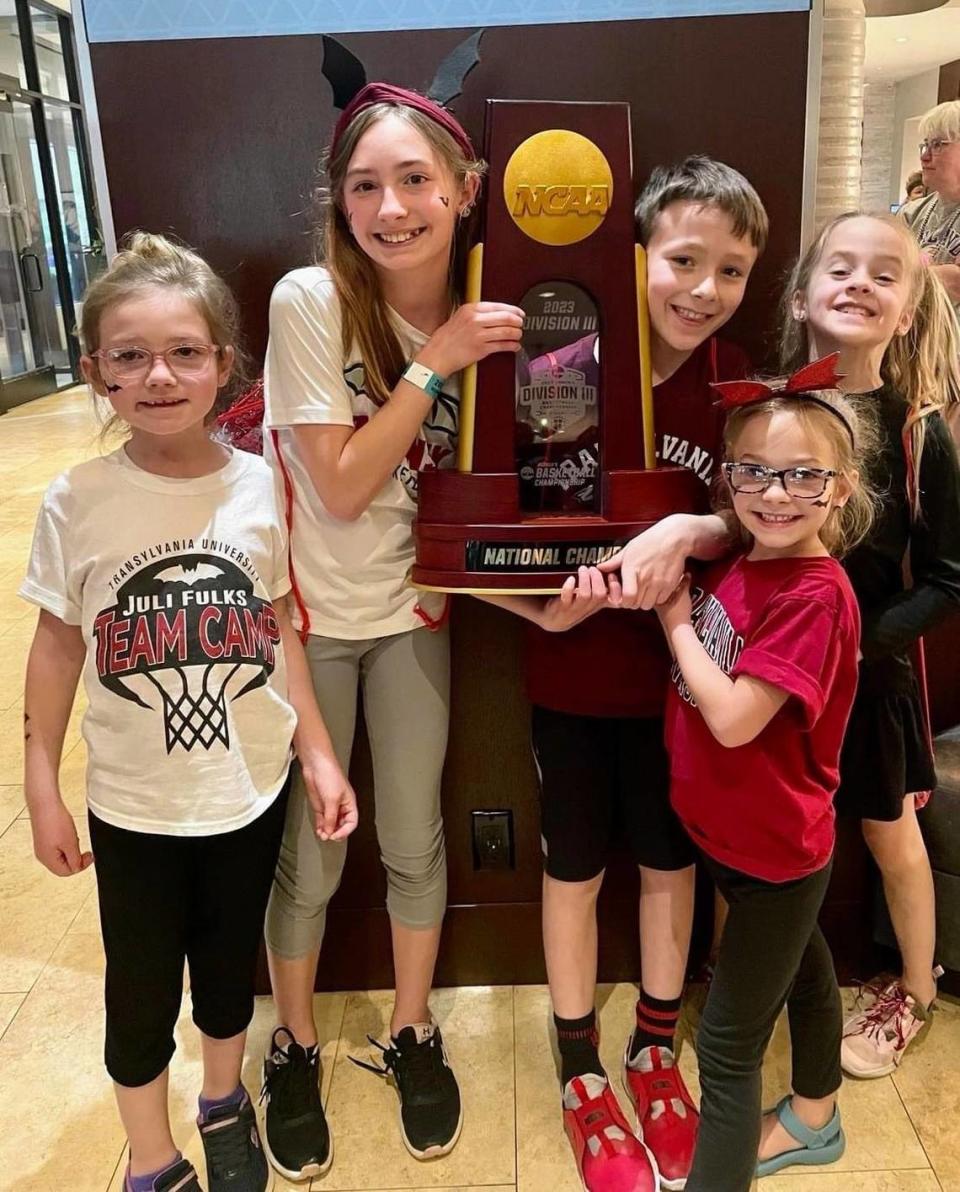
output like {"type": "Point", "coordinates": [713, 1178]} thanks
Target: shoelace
{"type": "Point", "coordinates": [890, 1004]}
{"type": "Point", "coordinates": [418, 1063]}
{"type": "Point", "coordinates": [227, 1145]}
{"type": "Point", "coordinates": [293, 1084]}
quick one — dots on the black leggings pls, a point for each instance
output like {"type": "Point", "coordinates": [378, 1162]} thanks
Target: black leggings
{"type": "Point", "coordinates": [166, 899]}
{"type": "Point", "coordinates": [772, 952]}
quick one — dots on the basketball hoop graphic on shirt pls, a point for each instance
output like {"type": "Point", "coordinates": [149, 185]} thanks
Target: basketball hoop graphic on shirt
{"type": "Point", "coordinates": [190, 630]}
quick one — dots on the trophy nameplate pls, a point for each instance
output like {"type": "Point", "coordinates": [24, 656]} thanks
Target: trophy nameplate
{"type": "Point", "coordinates": [556, 464]}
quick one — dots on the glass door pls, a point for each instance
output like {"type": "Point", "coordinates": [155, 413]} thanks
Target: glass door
{"type": "Point", "coordinates": [33, 338]}
{"type": "Point", "coordinates": [85, 251]}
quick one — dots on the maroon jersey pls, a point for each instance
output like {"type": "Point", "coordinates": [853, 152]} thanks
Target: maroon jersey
{"type": "Point", "coordinates": [766, 808]}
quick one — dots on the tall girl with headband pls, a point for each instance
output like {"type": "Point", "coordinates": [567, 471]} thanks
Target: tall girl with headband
{"type": "Point", "coordinates": [862, 290]}
{"type": "Point", "coordinates": [361, 389]}
{"type": "Point", "coordinates": [765, 667]}
{"type": "Point", "coordinates": [160, 571]}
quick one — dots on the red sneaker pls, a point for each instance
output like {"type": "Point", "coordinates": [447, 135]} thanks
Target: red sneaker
{"type": "Point", "coordinates": [609, 1155]}
{"type": "Point", "coordinates": [666, 1115]}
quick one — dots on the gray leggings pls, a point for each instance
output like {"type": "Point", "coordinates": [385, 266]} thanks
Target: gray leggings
{"type": "Point", "coordinates": [405, 680]}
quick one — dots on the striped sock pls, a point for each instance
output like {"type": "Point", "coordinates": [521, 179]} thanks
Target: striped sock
{"type": "Point", "coordinates": [577, 1039]}
{"type": "Point", "coordinates": [656, 1022]}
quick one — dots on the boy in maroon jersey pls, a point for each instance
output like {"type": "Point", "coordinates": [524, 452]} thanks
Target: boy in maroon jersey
{"type": "Point", "coordinates": [598, 695]}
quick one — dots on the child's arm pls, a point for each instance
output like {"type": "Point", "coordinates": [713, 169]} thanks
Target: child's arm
{"type": "Point", "coordinates": [652, 564]}
{"type": "Point", "coordinates": [331, 795]}
{"type": "Point", "coordinates": [736, 710]}
{"type": "Point", "coordinates": [349, 465]}
{"type": "Point", "coordinates": [934, 555]}
{"type": "Point", "coordinates": [581, 596]}
{"type": "Point", "coordinates": [53, 671]}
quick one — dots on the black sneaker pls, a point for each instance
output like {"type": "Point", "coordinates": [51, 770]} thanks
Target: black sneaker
{"type": "Point", "coordinates": [297, 1138]}
{"type": "Point", "coordinates": [431, 1116]}
{"type": "Point", "coordinates": [234, 1154]}
{"type": "Point", "coordinates": [180, 1177]}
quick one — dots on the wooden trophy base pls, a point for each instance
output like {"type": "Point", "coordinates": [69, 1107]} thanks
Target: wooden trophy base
{"type": "Point", "coordinates": [472, 536]}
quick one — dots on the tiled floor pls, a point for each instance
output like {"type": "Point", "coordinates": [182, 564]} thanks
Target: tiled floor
{"type": "Point", "coordinates": [61, 1130]}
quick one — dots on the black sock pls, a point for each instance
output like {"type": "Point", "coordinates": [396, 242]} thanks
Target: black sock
{"type": "Point", "coordinates": [656, 1022]}
{"type": "Point", "coordinates": [578, 1040]}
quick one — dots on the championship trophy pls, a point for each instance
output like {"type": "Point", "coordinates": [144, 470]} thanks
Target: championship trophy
{"type": "Point", "coordinates": [557, 463]}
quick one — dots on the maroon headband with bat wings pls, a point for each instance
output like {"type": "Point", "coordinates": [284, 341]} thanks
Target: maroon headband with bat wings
{"type": "Point", "coordinates": [820, 374]}
{"type": "Point", "coordinates": [352, 93]}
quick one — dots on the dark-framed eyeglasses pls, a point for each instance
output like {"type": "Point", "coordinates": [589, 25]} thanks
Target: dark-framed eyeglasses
{"type": "Point", "coordinates": [133, 363]}
{"type": "Point", "coordinates": [804, 483]}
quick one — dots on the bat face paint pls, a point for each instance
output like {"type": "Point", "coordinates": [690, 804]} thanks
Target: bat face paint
{"type": "Point", "coordinates": [820, 504]}
{"type": "Point", "coordinates": [444, 200]}
{"type": "Point", "coordinates": [113, 388]}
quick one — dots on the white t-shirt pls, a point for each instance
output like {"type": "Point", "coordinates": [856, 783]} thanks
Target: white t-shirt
{"type": "Point", "coordinates": [353, 575]}
{"type": "Point", "coordinates": [189, 729]}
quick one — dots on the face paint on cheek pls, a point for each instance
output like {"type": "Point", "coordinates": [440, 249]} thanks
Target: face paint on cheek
{"type": "Point", "coordinates": [819, 504]}
{"type": "Point", "coordinates": [113, 388]}
{"type": "Point", "coordinates": [445, 200]}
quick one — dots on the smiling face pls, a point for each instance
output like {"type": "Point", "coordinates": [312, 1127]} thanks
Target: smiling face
{"type": "Point", "coordinates": [697, 270]}
{"type": "Point", "coordinates": [400, 200]}
{"type": "Point", "coordinates": [783, 526]}
{"type": "Point", "coordinates": [161, 402]}
{"type": "Point", "coordinates": [859, 290]}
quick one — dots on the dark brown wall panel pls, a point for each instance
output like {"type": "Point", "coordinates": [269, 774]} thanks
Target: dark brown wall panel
{"type": "Point", "coordinates": [218, 140]}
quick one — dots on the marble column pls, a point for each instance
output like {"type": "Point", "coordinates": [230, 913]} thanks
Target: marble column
{"type": "Point", "coordinates": [841, 108]}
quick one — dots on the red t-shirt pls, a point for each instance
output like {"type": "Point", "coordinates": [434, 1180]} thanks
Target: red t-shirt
{"type": "Point", "coordinates": [766, 808]}
{"type": "Point", "coordinates": [616, 663]}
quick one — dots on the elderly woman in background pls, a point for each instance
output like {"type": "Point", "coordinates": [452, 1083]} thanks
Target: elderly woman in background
{"type": "Point", "coordinates": [935, 219]}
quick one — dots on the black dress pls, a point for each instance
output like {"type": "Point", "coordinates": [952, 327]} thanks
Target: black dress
{"type": "Point", "coordinates": [886, 753]}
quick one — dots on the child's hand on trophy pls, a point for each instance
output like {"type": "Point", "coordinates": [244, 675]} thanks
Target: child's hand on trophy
{"type": "Point", "coordinates": [652, 564]}
{"type": "Point", "coordinates": [581, 596]}
{"type": "Point", "coordinates": [473, 331]}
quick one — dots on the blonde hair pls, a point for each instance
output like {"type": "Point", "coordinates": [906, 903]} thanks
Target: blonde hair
{"type": "Point", "coordinates": [923, 365]}
{"type": "Point", "coordinates": [851, 457]}
{"type": "Point", "coordinates": [705, 183]}
{"type": "Point", "coordinates": [149, 261]}
{"type": "Point", "coordinates": [365, 316]}
{"type": "Point", "coordinates": [941, 121]}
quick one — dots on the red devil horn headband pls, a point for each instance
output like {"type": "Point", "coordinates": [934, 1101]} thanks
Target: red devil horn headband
{"type": "Point", "coordinates": [820, 374]}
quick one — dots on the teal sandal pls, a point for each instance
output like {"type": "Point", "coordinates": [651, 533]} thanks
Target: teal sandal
{"type": "Point", "coordinates": [819, 1146]}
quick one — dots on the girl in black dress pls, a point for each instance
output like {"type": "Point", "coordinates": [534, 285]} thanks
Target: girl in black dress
{"type": "Point", "coordinates": [862, 289]}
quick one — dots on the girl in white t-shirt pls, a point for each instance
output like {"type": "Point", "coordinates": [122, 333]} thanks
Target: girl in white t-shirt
{"type": "Point", "coordinates": [361, 393]}
{"type": "Point", "coordinates": [161, 572]}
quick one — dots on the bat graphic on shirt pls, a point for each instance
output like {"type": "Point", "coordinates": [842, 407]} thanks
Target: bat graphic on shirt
{"type": "Point", "coordinates": [184, 575]}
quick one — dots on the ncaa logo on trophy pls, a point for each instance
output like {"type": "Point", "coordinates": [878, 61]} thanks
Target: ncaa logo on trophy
{"type": "Point", "coordinates": [556, 462]}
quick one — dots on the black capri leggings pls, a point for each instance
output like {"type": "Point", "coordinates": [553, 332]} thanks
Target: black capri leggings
{"type": "Point", "coordinates": [166, 899]}
{"type": "Point", "coordinates": [772, 952]}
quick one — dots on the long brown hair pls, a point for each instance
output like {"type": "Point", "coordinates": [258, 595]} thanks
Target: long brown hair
{"type": "Point", "coordinates": [365, 315]}
{"type": "Point", "coordinates": [923, 365]}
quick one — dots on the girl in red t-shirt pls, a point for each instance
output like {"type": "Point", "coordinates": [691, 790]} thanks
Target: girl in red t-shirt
{"type": "Point", "coordinates": [765, 669]}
